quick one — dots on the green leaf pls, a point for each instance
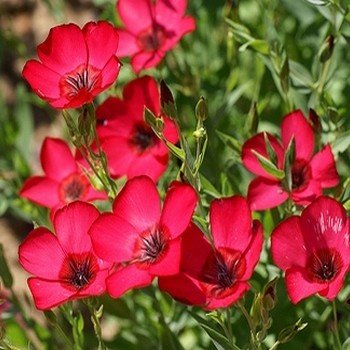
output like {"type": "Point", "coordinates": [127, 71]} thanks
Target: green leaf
{"type": "Point", "coordinates": [219, 340]}
{"type": "Point", "coordinates": [300, 75]}
{"type": "Point", "coordinates": [258, 45]}
{"type": "Point", "coordinates": [230, 141]}
{"type": "Point", "coordinates": [5, 273]}
{"type": "Point", "coordinates": [269, 166]}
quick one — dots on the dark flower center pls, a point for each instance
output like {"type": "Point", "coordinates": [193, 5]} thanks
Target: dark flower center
{"type": "Point", "coordinates": [79, 270]}
{"type": "Point", "coordinates": [152, 38]}
{"type": "Point", "coordinates": [83, 79]}
{"type": "Point", "coordinates": [300, 174]}
{"type": "Point", "coordinates": [325, 264]}
{"type": "Point", "coordinates": [74, 187]}
{"type": "Point", "coordinates": [222, 270]}
{"type": "Point", "coordinates": [143, 138]}
{"type": "Point", "coordinates": [151, 246]}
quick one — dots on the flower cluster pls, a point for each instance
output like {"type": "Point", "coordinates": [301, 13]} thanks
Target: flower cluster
{"type": "Point", "coordinates": [145, 238]}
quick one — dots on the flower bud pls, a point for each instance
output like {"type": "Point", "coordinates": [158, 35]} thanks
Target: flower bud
{"type": "Point", "coordinates": [201, 109]}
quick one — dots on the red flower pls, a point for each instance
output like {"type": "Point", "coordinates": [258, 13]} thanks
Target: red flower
{"type": "Point", "coordinates": [64, 264]}
{"type": "Point", "coordinates": [131, 146]}
{"type": "Point", "coordinates": [63, 182]}
{"type": "Point", "coordinates": [151, 29]}
{"type": "Point", "coordinates": [313, 249]}
{"type": "Point", "coordinates": [215, 277]}
{"type": "Point", "coordinates": [143, 237]}
{"type": "Point", "coordinates": [75, 64]}
{"type": "Point", "coordinates": [310, 174]}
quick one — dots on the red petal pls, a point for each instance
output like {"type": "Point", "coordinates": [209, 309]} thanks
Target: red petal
{"type": "Point", "coordinates": [295, 124]}
{"type": "Point", "coordinates": [298, 285]}
{"type": "Point", "coordinates": [48, 294]}
{"type": "Point", "coordinates": [179, 204]}
{"type": "Point", "coordinates": [170, 131]}
{"type": "Point", "coordinates": [149, 164]}
{"type": "Point", "coordinates": [265, 194]}
{"type": "Point", "coordinates": [113, 238]}
{"type": "Point", "coordinates": [101, 41]}
{"type": "Point", "coordinates": [41, 190]}
{"type": "Point", "coordinates": [129, 277]}
{"type": "Point", "coordinates": [72, 224]}
{"type": "Point", "coordinates": [324, 224]}
{"type": "Point", "coordinates": [183, 27]}
{"type": "Point", "coordinates": [135, 14]}
{"type": "Point", "coordinates": [170, 262]}
{"type": "Point", "coordinates": [140, 93]}
{"type": "Point", "coordinates": [41, 254]}
{"type": "Point", "coordinates": [127, 44]}
{"type": "Point", "coordinates": [56, 159]}
{"type": "Point", "coordinates": [231, 223]}
{"type": "Point", "coordinates": [169, 12]}
{"type": "Point", "coordinates": [109, 74]}
{"type": "Point", "coordinates": [253, 251]}
{"type": "Point", "coordinates": [334, 287]}
{"type": "Point", "coordinates": [237, 293]}
{"type": "Point", "coordinates": [64, 49]}
{"type": "Point", "coordinates": [144, 60]}
{"type": "Point", "coordinates": [308, 194]}
{"type": "Point", "coordinates": [96, 287]}
{"type": "Point", "coordinates": [48, 87]}
{"type": "Point", "coordinates": [324, 169]}
{"type": "Point", "coordinates": [257, 143]}
{"type": "Point", "coordinates": [183, 288]}
{"type": "Point", "coordinates": [288, 244]}
{"type": "Point", "coordinates": [138, 203]}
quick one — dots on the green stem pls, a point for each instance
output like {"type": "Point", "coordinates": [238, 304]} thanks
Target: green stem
{"type": "Point", "coordinates": [254, 341]}
{"type": "Point", "coordinates": [323, 78]}
{"type": "Point", "coordinates": [97, 325]}
{"type": "Point", "coordinates": [275, 345]}
{"type": "Point", "coordinates": [336, 328]}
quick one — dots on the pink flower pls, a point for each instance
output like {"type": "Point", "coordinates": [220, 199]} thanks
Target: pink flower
{"type": "Point", "coordinates": [64, 265]}
{"type": "Point", "coordinates": [151, 29]}
{"type": "Point", "coordinates": [313, 250]}
{"type": "Point", "coordinates": [75, 64]}
{"type": "Point", "coordinates": [310, 173]}
{"type": "Point", "coordinates": [63, 181]}
{"type": "Point", "coordinates": [131, 146]}
{"type": "Point", "coordinates": [215, 277]}
{"type": "Point", "coordinates": [141, 237]}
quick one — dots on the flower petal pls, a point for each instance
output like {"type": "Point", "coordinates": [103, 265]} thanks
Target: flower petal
{"type": "Point", "coordinates": [237, 293]}
{"type": "Point", "coordinates": [41, 254]}
{"type": "Point", "coordinates": [183, 27]}
{"type": "Point", "coordinates": [145, 60]}
{"type": "Point", "coordinates": [64, 49]}
{"type": "Point", "coordinates": [72, 224]}
{"type": "Point", "coordinates": [308, 194]}
{"type": "Point", "coordinates": [183, 288]}
{"type": "Point", "coordinates": [96, 287]}
{"type": "Point", "coordinates": [324, 169]}
{"type": "Point", "coordinates": [41, 190]}
{"type": "Point", "coordinates": [47, 294]}
{"type": "Point", "coordinates": [169, 12]}
{"type": "Point", "coordinates": [170, 262]}
{"type": "Point", "coordinates": [231, 223]}
{"type": "Point", "coordinates": [324, 224]}
{"type": "Point", "coordinates": [57, 159]}
{"type": "Point", "coordinates": [299, 287]}
{"type": "Point", "coordinates": [109, 74]}
{"type": "Point", "coordinates": [138, 203]}
{"type": "Point", "coordinates": [265, 194]}
{"type": "Point", "coordinates": [43, 80]}
{"type": "Point", "coordinates": [257, 144]}
{"type": "Point", "coordinates": [127, 44]}
{"type": "Point", "coordinates": [135, 14]}
{"type": "Point", "coordinates": [288, 244]}
{"type": "Point", "coordinates": [101, 41]}
{"type": "Point", "coordinates": [179, 204]}
{"type": "Point", "coordinates": [295, 125]}
{"type": "Point", "coordinates": [113, 238]}
{"type": "Point", "coordinates": [126, 278]}
{"type": "Point", "coordinates": [334, 287]}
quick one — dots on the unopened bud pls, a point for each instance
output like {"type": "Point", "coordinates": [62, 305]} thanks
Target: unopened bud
{"type": "Point", "coordinates": [326, 50]}
{"type": "Point", "coordinates": [269, 295]}
{"type": "Point", "coordinates": [290, 332]}
{"type": "Point", "coordinates": [315, 120]}
{"type": "Point", "coordinates": [201, 109]}
{"type": "Point", "coordinates": [199, 133]}
{"type": "Point", "coordinates": [166, 96]}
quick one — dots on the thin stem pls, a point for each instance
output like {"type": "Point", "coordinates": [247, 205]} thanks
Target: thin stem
{"type": "Point", "coordinates": [275, 345]}
{"type": "Point", "coordinates": [254, 342]}
{"type": "Point", "coordinates": [64, 336]}
{"type": "Point", "coordinates": [97, 325]}
{"type": "Point", "coordinates": [336, 328]}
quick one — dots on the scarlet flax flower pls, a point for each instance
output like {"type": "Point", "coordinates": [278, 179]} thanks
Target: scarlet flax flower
{"type": "Point", "coordinates": [132, 148]}
{"type": "Point", "coordinates": [151, 29]}
{"type": "Point", "coordinates": [143, 239]}
{"type": "Point", "coordinates": [313, 249]}
{"type": "Point", "coordinates": [75, 65]}
{"type": "Point", "coordinates": [310, 173]}
{"type": "Point", "coordinates": [217, 276]}
{"type": "Point", "coordinates": [64, 265]}
{"type": "Point", "coordinates": [63, 181]}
